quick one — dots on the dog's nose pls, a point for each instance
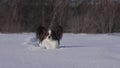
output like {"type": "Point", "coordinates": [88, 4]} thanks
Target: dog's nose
{"type": "Point", "coordinates": [49, 37]}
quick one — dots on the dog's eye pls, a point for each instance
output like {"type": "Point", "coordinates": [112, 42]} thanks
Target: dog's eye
{"type": "Point", "coordinates": [46, 34]}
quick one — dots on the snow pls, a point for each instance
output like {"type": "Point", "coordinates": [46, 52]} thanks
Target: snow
{"type": "Point", "coordinates": [76, 51]}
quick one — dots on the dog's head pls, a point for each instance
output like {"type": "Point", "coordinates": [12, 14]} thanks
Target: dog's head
{"type": "Point", "coordinates": [54, 33]}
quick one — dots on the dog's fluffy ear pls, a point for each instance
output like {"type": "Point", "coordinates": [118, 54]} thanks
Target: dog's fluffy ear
{"type": "Point", "coordinates": [40, 31]}
{"type": "Point", "coordinates": [58, 30]}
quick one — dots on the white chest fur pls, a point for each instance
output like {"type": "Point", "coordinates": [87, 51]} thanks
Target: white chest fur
{"type": "Point", "coordinates": [49, 44]}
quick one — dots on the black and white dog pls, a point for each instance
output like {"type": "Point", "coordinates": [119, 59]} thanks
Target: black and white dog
{"type": "Point", "coordinates": [49, 38]}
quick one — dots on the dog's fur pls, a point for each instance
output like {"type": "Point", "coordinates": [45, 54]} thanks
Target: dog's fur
{"type": "Point", "coordinates": [49, 38]}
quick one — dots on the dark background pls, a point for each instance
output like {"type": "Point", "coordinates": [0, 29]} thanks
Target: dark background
{"type": "Point", "coordinates": [85, 16]}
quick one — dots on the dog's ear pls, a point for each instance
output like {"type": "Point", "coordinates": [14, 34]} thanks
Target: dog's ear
{"type": "Point", "coordinates": [58, 30]}
{"type": "Point", "coordinates": [40, 31]}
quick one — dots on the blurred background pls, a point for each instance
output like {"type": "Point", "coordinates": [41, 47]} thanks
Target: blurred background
{"type": "Point", "coordinates": [76, 16]}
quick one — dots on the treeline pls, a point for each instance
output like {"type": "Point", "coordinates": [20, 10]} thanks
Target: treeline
{"type": "Point", "coordinates": [102, 16]}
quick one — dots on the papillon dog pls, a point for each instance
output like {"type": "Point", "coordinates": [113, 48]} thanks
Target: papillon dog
{"type": "Point", "coordinates": [49, 38]}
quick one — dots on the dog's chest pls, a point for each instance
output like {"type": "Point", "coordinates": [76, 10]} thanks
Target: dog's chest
{"type": "Point", "coordinates": [49, 44]}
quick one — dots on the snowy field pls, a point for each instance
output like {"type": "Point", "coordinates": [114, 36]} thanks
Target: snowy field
{"type": "Point", "coordinates": [76, 51]}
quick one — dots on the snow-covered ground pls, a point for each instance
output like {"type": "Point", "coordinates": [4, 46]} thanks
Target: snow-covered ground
{"type": "Point", "coordinates": [76, 51]}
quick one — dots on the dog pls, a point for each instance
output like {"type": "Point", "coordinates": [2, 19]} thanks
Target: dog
{"type": "Point", "coordinates": [49, 38]}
